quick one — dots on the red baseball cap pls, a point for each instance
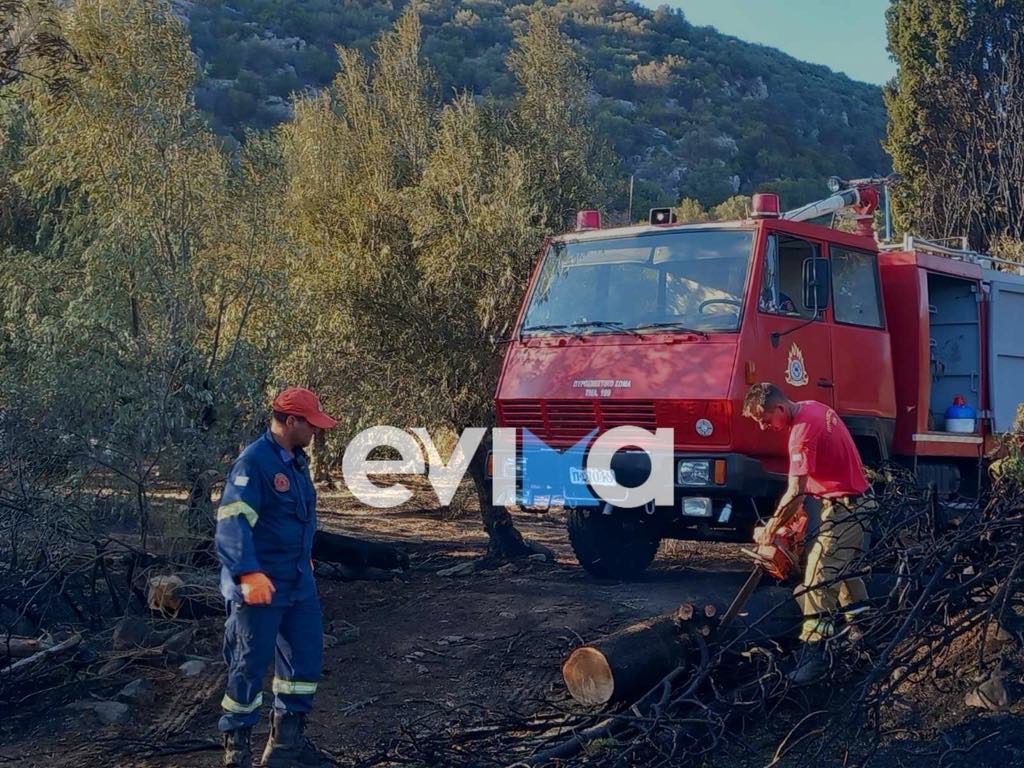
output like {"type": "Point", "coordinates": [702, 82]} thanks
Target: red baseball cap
{"type": "Point", "coordinates": [299, 401]}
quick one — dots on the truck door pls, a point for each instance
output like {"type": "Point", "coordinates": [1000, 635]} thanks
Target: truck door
{"type": "Point", "coordinates": [862, 356]}
{"type": "Point", "coordinates": [793, 349]}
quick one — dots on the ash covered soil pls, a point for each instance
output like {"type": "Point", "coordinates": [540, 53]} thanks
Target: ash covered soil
{"type": "Point", "coordinates": [428, 654]}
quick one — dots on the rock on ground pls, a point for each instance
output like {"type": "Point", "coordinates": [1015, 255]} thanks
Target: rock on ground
{"type": "Point", "coordinates": [139, 691]}
{"type": "Point", "coordinates": [130, 633]}
{"type": "Point", "coordinates": [109, 712]}
{"type": "Point", "coordinates": [193, 668]}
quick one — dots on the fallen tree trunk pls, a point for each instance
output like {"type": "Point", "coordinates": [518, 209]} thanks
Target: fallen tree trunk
{"type": "Point", "coordinates": [20, 647]}
{"type": "Point", "coordinates": [626, 663]}
{"type": "Point", "coordinates": [619, 667]}
{"type": "Point", "coordinates": [357, 553]}
{"type": "Point", "coordinates": [195, 594]}
{"type": "Point", "coordinates": [63, 647]}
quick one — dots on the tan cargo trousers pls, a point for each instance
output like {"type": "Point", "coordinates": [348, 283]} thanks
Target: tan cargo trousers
{"type": "Point", "coordinates": [837, 544]}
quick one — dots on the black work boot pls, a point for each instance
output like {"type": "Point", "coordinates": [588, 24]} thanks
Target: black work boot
{"type": "Point", "coordinates": [811, 665]}
{"type": "Point", "coordinates": [237, 752]}
{"type": "Point", "coordinates": [288, 746]}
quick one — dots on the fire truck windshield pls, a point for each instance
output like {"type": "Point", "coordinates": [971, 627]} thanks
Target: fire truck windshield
{"type": "Point", "coordinates": [681, 279]}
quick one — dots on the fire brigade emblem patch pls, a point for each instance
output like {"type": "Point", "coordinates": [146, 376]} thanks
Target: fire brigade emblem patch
{"type": "Point", "coordinates": [281, 483]}
{"type": "Point", "coordinates": [796, 373]}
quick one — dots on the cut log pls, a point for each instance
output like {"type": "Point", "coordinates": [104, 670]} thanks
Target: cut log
{"type": "Point", "coordinates": [63, 647]}
{"type": "Point", "coordinates": [357, 553]}
{"type": "Point", "coordinates": [628, 662]}
{"type": "Point", "coordinates": [164, 595]}
{"type": "Point", "coordinates": [624, 664]}
{"type": "Point", "coordinates": [192, 594]}
{"type": "Point", "coordinates": [20, 647]}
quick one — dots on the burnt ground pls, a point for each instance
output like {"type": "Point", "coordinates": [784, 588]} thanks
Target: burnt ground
{"type": "Point", "coordinates": [426, 654]}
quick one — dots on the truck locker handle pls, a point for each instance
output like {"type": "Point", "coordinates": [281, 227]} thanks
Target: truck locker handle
{"type": "Point", "coordinates": [826, 383]}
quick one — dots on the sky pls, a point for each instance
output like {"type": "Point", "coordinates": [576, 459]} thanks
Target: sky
{"type": "Point", "coordinates": [845, 35]}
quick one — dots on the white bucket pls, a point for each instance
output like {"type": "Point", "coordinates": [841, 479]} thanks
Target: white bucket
{"type": "Point", "coordinates": [960, 425]}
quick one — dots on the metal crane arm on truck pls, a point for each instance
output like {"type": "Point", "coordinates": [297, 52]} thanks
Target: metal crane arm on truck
{"type": "Point", "coordinates": [847, 198]}
{"type": "Point", "coordinates": [860, 195]}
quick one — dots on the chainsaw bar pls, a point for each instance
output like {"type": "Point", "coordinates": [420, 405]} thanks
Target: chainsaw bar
{"type": "Point", "coordinates": [741, 597]}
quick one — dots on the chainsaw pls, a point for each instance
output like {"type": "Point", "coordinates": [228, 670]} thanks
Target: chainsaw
{"type": "Point", "coordinates": [783, 554]}
{"type": "Point", "coordinates": [777, 558]}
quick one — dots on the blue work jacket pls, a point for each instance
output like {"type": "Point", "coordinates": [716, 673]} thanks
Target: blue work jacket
{"type": "Point", "coordinates": [266, 521]}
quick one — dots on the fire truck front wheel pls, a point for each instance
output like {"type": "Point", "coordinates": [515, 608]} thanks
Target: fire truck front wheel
{"type": "Point", "coordinates": [615, 546]}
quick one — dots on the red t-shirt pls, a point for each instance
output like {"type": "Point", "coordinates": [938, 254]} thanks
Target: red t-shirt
{"type": "Point", "coordinates": [821, 448]}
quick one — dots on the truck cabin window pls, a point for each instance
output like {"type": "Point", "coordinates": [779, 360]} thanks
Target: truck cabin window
{"type": "Point", "coordinates": [687, 279]}
{"type": "Point", "coordinates": [782, 276]}
{"type": "Point", "coordinates": [855, 295]}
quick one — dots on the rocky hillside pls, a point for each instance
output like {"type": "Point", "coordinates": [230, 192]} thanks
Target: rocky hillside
{"type": "Point", "coordinates": [692, 112]}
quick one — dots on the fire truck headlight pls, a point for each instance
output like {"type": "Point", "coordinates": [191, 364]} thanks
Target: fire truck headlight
{"type": "Point", "coordinates": [834, 184]}
{"type": "Point", "coordinates": [694, 473]}
{"type": "Point", "coordinates": [704, 427]}
{"type": "Point", "coordinates": [697, 507]}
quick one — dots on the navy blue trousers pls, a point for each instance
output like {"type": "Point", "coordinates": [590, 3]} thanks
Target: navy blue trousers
{"type": "Point", "coordinates": [292, 635]}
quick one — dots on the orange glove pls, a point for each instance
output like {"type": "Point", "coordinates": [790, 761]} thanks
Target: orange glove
{"type": "Point", "coordinates": [257, 589]}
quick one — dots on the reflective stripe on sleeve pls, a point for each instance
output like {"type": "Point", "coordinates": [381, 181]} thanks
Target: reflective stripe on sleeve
{"type": "Point", "coordinates": [238, 508]}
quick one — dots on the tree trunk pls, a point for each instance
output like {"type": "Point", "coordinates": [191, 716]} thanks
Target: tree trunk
{"type": "Point", "coordinates": [628, 662]}
{"type": "Point", "coordinates": [505, 540]}
{"type": "Point", "coordinates": [197, 471]}
{"type": "Point", "coordinates": [200, 508]}
{"type": "Point", "coordinates": [21, 647]}
{"type": "Point", "coordinates": [625, 664]}
{"type": "Point", "coordinates": [318, 459]}
{"type": "Point", "coordinates": [357, 553]}
{"type": "Point", "coordinates": [30, 661]}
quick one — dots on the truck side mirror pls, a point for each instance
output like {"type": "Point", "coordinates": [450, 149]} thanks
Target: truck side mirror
{"type": "Point", "coordinates": [816, 284]}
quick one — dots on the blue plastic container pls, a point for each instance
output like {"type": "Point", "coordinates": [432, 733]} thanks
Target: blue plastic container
{"type": "Point", "coordinates": [960, 417]}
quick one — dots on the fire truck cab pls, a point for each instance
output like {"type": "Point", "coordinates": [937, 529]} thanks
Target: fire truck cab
{"type": "Point", "coordinates": [668, 325]}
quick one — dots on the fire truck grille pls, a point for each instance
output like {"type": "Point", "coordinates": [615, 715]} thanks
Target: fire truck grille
{"type": "Point", "coordinates": [566, 421]}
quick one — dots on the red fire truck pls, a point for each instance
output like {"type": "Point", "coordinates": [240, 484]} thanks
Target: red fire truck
{"type": "Point", "coordinates": [667, 325]}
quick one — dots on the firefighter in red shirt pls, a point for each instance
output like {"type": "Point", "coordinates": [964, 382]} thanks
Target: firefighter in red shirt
{"type": "Point", "coordinates": [823, 463]}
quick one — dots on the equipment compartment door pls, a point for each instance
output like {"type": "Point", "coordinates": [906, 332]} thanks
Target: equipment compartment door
{"type": "Point", "coordinates": [954, 341]}
{"type": "Point", "coordinates": [1006, 351]}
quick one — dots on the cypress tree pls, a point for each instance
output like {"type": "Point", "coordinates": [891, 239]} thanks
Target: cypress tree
{"type": "Point", "coordinates": [956, 117]}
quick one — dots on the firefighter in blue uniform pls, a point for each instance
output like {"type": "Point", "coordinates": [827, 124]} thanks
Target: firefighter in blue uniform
{"type": "Point", "coordinates": [265, 526]}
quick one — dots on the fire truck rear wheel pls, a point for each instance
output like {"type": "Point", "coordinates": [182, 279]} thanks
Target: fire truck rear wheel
{"type": "Point", "coordinates": [616, 546]}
